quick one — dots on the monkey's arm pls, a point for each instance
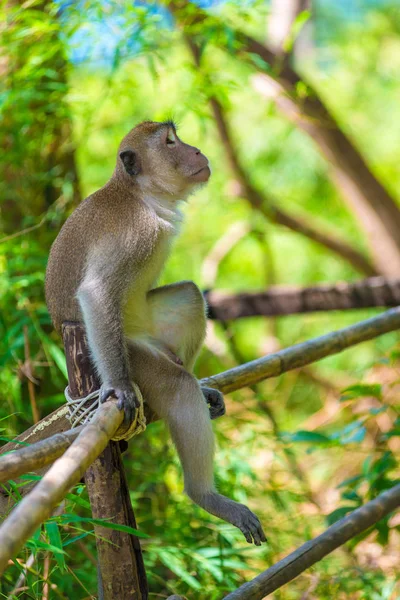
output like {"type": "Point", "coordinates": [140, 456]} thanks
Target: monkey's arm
{"type": "Point", "coordinates": [100, 298]}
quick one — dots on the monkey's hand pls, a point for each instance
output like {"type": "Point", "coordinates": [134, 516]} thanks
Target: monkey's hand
{"type": "Point", "coordinates": [215, 400]}
{"type": "Point", "coordinates": [127, 399]}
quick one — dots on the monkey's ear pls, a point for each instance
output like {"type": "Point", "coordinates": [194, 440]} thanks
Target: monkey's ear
{"type": "Point", "coordinates": [130, 161]}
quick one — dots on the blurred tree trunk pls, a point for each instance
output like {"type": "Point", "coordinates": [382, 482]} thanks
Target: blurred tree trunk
{"type": "Point", "coordinates": [265, 204]}
{"type": "Point", "coordinates": [38, 164]}
{"type": "Point", "coordinates": [282, 15]}
{"type": "Point", "coordinates": [377, 211]}
{"type": "Point", "coordinates": [365, 195]}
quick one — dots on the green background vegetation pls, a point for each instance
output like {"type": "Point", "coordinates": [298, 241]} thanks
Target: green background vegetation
{"type": "Point", "coordinates": [62, 115]}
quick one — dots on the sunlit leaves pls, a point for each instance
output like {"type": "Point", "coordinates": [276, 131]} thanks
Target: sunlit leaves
{"type": "Point", "coordinates": [362, 389]}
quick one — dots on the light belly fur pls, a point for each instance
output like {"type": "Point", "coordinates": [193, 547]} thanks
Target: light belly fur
{"type": "Point", "coordinates": [137, 315]}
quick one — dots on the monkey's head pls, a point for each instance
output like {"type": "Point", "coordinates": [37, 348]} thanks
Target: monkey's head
{"type": "Point", "coordinates": [153, 156]}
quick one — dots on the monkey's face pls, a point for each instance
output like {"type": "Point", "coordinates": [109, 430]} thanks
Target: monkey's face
{"type": "Point", "coordinates": [161, 163]}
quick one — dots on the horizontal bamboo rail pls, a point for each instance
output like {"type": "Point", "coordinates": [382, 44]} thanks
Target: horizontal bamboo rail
{"type": "Point", "coordinates": [311, 552]}
{"type": "Point", "coordinates": [304, 353]}
{"type": "Point", "coordinates": [94, 437]}
{"type": "Point", "coordinates": [55, 484]}
{"type": "Point", "coordinates": [250, 373]}
{"type": "Point", "coordinates": [36, 456]}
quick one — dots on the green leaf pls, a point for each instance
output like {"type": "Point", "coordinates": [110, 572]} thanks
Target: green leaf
{"type": "Point", "coordinates": [31, 477]}
{"type": "Point", "coordinates": [351, 495]}
{"type": "Point", "coordinates": [383, 532]}
{"type": "Point", "coordinates": [338, 514]}
{"type": "Point", "coordinates": [38, 544]}
{"type": "Point", "coordinates": [360, 390]}
{"type": "Point", "coordinates": [392, 433]}
{"type": "Point", "coordinates": [54, 535]}
{"type": "Point", "coordinates": [377, 411]}
{"type": "Point", "coordinates": [356, 437]}
{"type": "Point", "coordinates": [59, 358]}
{"type": "Point", "coordinates": [76, 538]}
{"type": "Point", "coordinates": [259, 62]}
{"type": "Point", "coordinates": [78, 500]}
{"type": "Point", "coordinates": [353, 432]}
{"type": "Point", "coordinates": [307, 436]}
{"type": "Point", "coordinates": [15, 489]}
{"type": "Point", "coordinates": [69, 518]}
{"type": "Point", "coordinates": [175, 564]}
{"type": "Point", "coordinates": [295, 29]}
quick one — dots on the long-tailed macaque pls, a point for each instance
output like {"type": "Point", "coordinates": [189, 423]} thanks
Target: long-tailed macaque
{"type": "Point", "coordinates": [102, 270]}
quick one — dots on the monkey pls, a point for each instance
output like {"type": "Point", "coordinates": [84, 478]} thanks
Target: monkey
{"type": "Point", "coordinates": [102, 271]}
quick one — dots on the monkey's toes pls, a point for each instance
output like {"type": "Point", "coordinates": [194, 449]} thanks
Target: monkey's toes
{"type": "Point", "coordinates": [215, 400]}
{"type": "Point", "coordinates": [251, 527]}
{"type": "Point", "coordinates": [127, 401]}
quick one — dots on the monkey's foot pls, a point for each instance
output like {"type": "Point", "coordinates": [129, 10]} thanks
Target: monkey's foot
{"type": "Point", "coordinates": [127, 400]}
{"type": "Point", "coordinates": [215, 400]}
{"type": "Point", "coordinates": [235, 513]}
{"type": "Point", "coordinates": [249, 525]}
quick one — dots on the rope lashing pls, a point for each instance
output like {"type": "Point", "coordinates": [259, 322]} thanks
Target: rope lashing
{"type": "Point", "coordinates": [81, 412]}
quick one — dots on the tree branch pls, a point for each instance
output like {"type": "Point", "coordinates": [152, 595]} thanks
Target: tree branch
{"type": "Point", "coordinates": [311, 552]}
{"type": "Point", "coordinates": [376, 209]}
{"type": "Point", "coordinates": [279, 300]}
{"type": "Point", "coordinates": [265, 204]}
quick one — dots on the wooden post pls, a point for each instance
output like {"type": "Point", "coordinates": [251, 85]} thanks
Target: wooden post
{"type": "Point", "coordinates": [121, 569]}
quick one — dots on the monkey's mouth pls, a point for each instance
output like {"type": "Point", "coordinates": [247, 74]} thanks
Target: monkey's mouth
{"type": "Point", "coordinates": [199, 171]}
{"type": "Point", "coordinates": [205, 169]}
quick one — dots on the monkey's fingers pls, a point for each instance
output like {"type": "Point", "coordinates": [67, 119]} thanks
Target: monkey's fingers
{"type": "Point", "coordinates": [129, 412]}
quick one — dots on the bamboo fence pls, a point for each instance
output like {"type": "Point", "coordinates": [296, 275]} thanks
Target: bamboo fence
{"type": "Point", "coordinates": [88, 451]}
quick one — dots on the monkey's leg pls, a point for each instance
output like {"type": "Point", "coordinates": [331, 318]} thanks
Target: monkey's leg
{"type": "Point", "coordinates": [179, 321]}
{"type": "Point", "coordinates": [175, 395]}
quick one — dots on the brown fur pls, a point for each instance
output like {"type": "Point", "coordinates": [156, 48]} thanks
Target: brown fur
{"type": "Point", "coordinates": [102, 270]}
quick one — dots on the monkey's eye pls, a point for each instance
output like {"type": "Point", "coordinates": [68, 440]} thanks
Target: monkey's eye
{"type": "Point", "coordinates": [171, 139]}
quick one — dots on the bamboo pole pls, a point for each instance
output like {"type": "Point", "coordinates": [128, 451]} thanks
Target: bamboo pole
{"type": "Point", "coordinates": [250, 373]}
{"type": "Point", "coordinates": [66, 471]}
{"type": "Point", "coordinates": [314, 550]}
{"type": "Point", "coordinates": [36, 456]}
{"type": "Point", "coordinates": [38, 505]}
{"type": "Point", "coordinates": [304, 353]}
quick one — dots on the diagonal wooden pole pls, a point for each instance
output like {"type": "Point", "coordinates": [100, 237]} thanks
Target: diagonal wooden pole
{"type": "Point", "coordinates": [249, 373]}
{"type": "Point", "coordinates": [39, 504]}
{"type": "Point", "coordinates": [121, 568]}
{"type": "Point", "coordinates": [311, 552]}
{"type": "Point", "coordinates": [304, 353]}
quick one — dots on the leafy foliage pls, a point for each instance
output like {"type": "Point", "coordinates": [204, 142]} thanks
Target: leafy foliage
{"type": "Point", "coordinates": [303, 449]}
